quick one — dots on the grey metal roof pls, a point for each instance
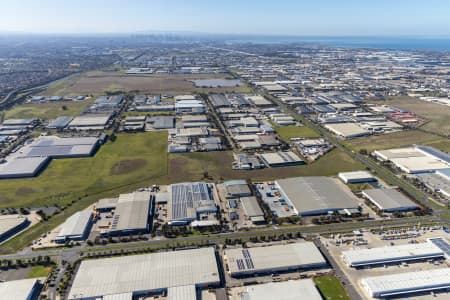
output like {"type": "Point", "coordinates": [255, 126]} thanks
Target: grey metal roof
{"type": "Point", "coordinates": [132, 212]}
{"type": "Point", "coordinates": [388, 199]}
{"type": "Point", "coordinates": [379, 255]}
{"type": "Point", "coordinates": [75, 225]}
{"type": "Point", "coordinates": [183, 292]}
{"type": "Point", "coordinates": [251, 207]}
{"type": "Point", "coordinates": [272, 258]}
{"type": "Point", "coordinates": [22, 166]}
{"type": "Point", "coordinates": [145, 273]}
{"type": "Point", "coordinates": [17, 289]}
{"type": "Point", "coordinates": [287, 290]}
{"type": "Point", "coordinates": [54, 147]}
{"type": "Point", "coordinates": [60, 122]}
{"type": "Point", "coordinates": [121, 296]}
{"type": "Point", "coordinates": [317, 194]}
{"type": "Point", "coordinates": [402, 283]}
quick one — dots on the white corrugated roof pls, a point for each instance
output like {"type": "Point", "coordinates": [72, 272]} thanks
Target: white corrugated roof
{"type": "Point", "coordinates": [390, 253]}
{"type": "Point", "coordinates": [145, 272]}
{"type": "Point", "coordinates": [404, 282]}
{"type": "Point", "coordinates": [287, 290]}
{"type": "Point", "coordinates": [273, 257]}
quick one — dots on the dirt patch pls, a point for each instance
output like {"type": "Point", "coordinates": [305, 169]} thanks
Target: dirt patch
{"type": "Point", "coordinates": [23, 191]}
{"type": "Point", "coordinates": [127, 166]}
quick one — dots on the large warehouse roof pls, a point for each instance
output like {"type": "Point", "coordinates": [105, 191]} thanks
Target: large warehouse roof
{"type": "Point", "coordinates": [22, 167]}
{"type": "Point", "coordinates": [146, 272]}
{"type": "Point", "coordinates": [405, 283]}
{"type": "Point", "coordinates": [381, 255]}
{"type": "Point", "coordinates": [316, 195]}
{"type": "Point", "coordinates": [54, 147]}
{"type": "Point", "coordinates": [287, 290]}
{"type": "Point", "coordinates": [251, 207]}
{"type": "Point", "coordinates": [347, 130]}
{"type": "Point", "coordinates": [132, 212]}
{"type": "Point", "coordinates": [189, 199]}
{"type": "Point", "coordinates": [273, 258]}
{"type": "Point", "coordinates": [75, 226]}
{"type": "Point", "coordinates": [389, 199]}
{"type": "Point", "coordinates": [18, 289]}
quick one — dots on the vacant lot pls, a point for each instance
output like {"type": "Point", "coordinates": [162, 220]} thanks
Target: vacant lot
{"type": "Point", "coordinates": [438, 115]}
{"type": "Point", "coordinates": [397, 140]}
{"type": "Point", "coordinates": [217, 166]}
{"type": "Point", "coordinates": [48, 110]}
{"type": "Point", "coordinates": [292, 131]}
{"type": "Point", "coordinates": [39, 271]}
{"type": "Point", "coordinates": [103, 81]}
{"type": "Point", "coordinates": [133, 159]}
{"type": "Point", "coordinates": [331, 288]}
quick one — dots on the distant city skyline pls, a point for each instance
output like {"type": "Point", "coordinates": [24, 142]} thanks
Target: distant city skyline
{"type": "Point", "coordinates": [284, 17]}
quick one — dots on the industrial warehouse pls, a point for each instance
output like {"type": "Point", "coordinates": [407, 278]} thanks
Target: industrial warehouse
{"type": "Point", "coordinates": [75, 228]}
{"type": "Point", "coordinates": [416, 159]}
{"type": "Point", "coordinates": [392, 254]}
{"type": "Point", "coordinates": [131, 214]}
{"type": "Point", "coordinates": [316, 195]}
{"type": "Point", "coordinates": [11, 225]}
{"type": "Point", "coordinates": [140, 275]}
{"type": "Point", "coordinates": [389, 200]}
{"type": "Point", "coordinates": [407, 283]}
{"type": "Point", "coordinates": [23, 289]}
{"type": "Point", "coordinates": [278, 258]}
{"type": "Point", "coordinates": [34, 156]}
{"type": "Point", "coordinates": [189, 201]}
{"type": "Point", "coordinates": [292, 289]}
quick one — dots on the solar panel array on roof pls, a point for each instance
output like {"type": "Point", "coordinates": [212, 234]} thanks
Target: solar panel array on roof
{"type": "Point", "coordinates": [189, 199]}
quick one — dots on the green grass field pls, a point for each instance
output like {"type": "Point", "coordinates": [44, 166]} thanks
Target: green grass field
{"type": "Point", "coordinates": [39, 271]}
{"type": "Point", "coordinates": [438, 115]}
{"type": "Point", "coordinates": [130, 159]}
{"type": "Point", "coordinates": [331, 288]}
{"type": "Point", "coordinates": [193, 166]}
{"type": "Point", "coordinates": [397, 140]}
{"type": "Point", "coordinates": [48, 110]}
{"type": "Point", "coordinates": [292, 131]}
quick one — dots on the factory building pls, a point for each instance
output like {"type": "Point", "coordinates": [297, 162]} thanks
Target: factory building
{"type": "Point", "coordinates": [60, 123]}
{"type": "Point", "coordinates": [389, 200]}
{"type": "Point", "coordinates": [272, 259]}
{"type": "Point", "coordinates": [75, 228]}
{"type": "Point", "coordinates": [56, 147]}
{"type": "Point", "coordinates": [281, 159]}
{"type": "Point", "coordinates": [316, 195]}
{"type": "Point", "coordinates": [292, 289]}
{"type": "Point", "coordinates": [414, 160]}
{"type": "Point", "coordinates": [409, 283]}
{"type": "Point", "coordinates": [11, 225]}
{"type": "Point", "coordinates": [252, 210]}
{"type": "Point", "coordinates": [90, 122]}
{"type": "Point", "coordinates": [22, 167]}
{"type": "Point", "coordinates": [188, 201]}
{"type": "Point", "coordinates": [391, 254]}
{"type": "Point", "coordinates": [175, 272]}
{"type": "Point", "coordinates": [24, 289]}
{"type": "Point", "coordinates": [35, 156]}
{"type": "Point", "coordinates": [347, 130]}
{"type": "Point", "coordinates": [237, 188]}
{"type": "Point", "coordinates": [131, 214]}
{"type": "Point", "coordinates": [356, 177]}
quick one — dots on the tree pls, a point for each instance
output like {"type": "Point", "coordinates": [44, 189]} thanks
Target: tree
{"type": "Point", "coordinates": [64, 107]}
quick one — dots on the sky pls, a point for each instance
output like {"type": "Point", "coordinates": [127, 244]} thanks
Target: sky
{"type": "Point", "coordinates": [262, 17]}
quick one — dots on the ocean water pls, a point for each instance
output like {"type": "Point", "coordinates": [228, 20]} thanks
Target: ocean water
{"type": "Point", "coordinates": [392, 43]}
